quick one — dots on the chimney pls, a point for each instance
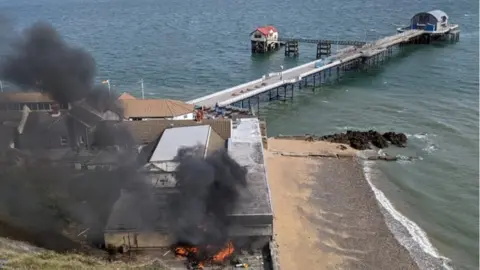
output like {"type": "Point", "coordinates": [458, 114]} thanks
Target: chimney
{"type": "Point", "coordinates": [55, 110]}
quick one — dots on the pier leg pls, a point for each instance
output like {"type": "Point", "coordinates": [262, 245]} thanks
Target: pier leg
{"type": "Point", "coordinates": [270, 95]}
{"type": "Point", "coordinates": [278, 96]}
{"type": "Point", "coordinates": [242, 104]}
{"type": "Point", "coordinates": [338, 73]}
{"type": "Point", "coordinates": [258, 104]}
{"type": "Point", "coordinates": [293, 86]}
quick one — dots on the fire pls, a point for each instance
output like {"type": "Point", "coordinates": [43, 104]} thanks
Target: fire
{"type": "Point", "coordinates": [186, 251]}
{"type": "Point", "coordinates": [194, 257]}
{"type": "Point", "coordinates": [224, 253]}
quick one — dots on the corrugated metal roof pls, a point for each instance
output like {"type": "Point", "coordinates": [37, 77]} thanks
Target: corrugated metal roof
{"type": "Point", "coordinates": [176, 138]}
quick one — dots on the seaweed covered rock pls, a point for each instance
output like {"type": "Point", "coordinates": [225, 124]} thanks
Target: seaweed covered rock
{"type": "Point", "coordinates": [397, 139]}
{"type": "Point", "coordinates": [362, 140]}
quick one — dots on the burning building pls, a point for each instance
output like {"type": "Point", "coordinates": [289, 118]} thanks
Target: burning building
{"type": "Point", "coordinates": [248, 221]}
{"type": "Point", "coordinates": [162, 164]}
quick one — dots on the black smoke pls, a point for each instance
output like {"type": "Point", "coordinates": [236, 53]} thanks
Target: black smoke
{"type": "Point", "coordinates": [40, 59]}
{"type": "Point", "coordinates": [209, 190]}
{"type": "Point", "coordinates": [41, 199]}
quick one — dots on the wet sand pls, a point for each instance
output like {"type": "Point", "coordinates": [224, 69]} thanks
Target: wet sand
{"type": "Point", "coordinates": [325, 214]}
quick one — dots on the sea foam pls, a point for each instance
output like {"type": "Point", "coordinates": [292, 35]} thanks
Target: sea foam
{"type": "Point", "coordinates": [407, 232]}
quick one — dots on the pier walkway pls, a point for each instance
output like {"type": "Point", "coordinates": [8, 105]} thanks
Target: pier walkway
{"type": "Point", "coordinates": [316, 41]}
{"type": "Point", "coordinates": [291, 76]}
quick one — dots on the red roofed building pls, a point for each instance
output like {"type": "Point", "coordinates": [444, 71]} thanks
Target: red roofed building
{"type": "Point", "coordinates": [264, 39]}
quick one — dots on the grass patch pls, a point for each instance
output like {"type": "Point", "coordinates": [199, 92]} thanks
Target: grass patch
{"type": "Point", "coordinates": [22, 256]}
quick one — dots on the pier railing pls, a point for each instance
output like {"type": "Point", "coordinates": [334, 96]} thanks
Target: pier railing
{"type": "Point", "coordinates": [316, 41]}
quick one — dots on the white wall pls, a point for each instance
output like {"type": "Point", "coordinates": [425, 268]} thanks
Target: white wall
{"type": "Point", "coordinates": [188, 116]}
{"type": "Point", "coordinates": [109, 115]}
{"type": "Point", "coordinates": [253, 38]}
{"type": "Point", "coordinates": [271, 37]}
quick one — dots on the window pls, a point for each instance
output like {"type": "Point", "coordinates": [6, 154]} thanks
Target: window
{"type": "Point", "coordinates": [63, 140]}
{"type": "Point", "coordinates": [185, 116]}
{"type": "Point", "coordinates": [257, 36]}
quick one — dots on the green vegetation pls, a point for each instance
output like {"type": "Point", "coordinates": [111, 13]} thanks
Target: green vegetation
{"type": "Point", "coordinates": [19, 255]}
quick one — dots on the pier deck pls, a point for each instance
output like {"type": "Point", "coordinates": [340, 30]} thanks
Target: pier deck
{"type": "Point", "coordinates": [316, 41]}
{"type": "Point", "coordinates": [290, 76]}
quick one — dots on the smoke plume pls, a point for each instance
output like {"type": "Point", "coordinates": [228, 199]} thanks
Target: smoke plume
{"type": "Point", "coordinates": [40, 199]}
{"type": "Point", "coordinates": [208, 191]}
{"type": "Point", "coordinates": [40, 58]}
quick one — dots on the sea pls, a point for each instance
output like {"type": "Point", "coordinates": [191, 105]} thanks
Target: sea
{"type": "Point", "coordinates": [185, 49]}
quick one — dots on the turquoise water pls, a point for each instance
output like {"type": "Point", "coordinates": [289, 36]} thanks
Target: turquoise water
{"type": "Point", "coordinates": [185, 49]}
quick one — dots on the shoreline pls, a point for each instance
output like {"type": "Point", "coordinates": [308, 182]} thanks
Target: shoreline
{"type": "Point", "coordinates": [325, 213]}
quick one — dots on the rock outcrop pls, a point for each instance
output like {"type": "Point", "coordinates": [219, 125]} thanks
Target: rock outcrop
{"type": "Point", "coordinates": [362, 140]}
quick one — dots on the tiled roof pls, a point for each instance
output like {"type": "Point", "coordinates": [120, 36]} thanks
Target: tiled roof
{"type": "Point", "coordinates": [154, 107]}
{"type": "Point", "coordinates": [26, 97]}
{"type": "Point", "coordinates": [125, 95]}
{"type": "Point", "coordinates": [266, 29]}
{"type": "Point", "coordinates": [148, 131]}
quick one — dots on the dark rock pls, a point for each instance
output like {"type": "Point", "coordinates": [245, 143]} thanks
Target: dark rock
{"type": "Point", "coordinates": [397, 139]}
{"type": "Point", "coordinates": [362, 140]}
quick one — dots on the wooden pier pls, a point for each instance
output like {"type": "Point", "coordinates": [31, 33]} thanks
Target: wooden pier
{"type": "Point", "coordinates": [358, 56]}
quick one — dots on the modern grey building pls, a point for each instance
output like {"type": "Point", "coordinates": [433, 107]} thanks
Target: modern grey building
{"type": "Point", "coordinates": [252, 218]}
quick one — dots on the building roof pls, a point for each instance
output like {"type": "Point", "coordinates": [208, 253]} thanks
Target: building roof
{"type": "Point", "coordinates": [145, 132]}
{"type": "Point", "coordinates": [438, 14]}
{"type": "Point", "coordinates": [265, 30]}
{"type": "Point", "coordinates": [154, 107]}
{"type": "Point", "coordinates": [125, 95]}
{"type": "Point", "coordinates": [175, 138]}
{"type": "Point", "coordinates": [7, 117]}
{"type": "Point", "coordinates": [27, 97]}
{"type": "Point", "coordinates": [38, 121]}
{"type": "Point", "coordinates": [85, 114]}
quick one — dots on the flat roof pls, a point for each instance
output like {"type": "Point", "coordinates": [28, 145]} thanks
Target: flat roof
{"type": "Point", "coordinates": [176, 138]}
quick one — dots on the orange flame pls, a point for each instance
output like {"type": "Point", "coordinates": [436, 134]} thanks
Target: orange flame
{"type": "Point", "coordinates": [223, 254]}
{"type": "Point", "coordinates": [219, 258]}
{"type": "Point", "coordinates": [185, 251]}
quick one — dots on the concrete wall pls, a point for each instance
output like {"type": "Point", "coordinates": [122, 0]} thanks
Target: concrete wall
{"type": "Point", "coordinates": [215, 142]}
{"type": "Point", "coordinates": [137, 239]}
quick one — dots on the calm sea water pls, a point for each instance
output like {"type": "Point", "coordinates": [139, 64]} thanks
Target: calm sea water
{"type": "Point", "coordinates": [184, 49]}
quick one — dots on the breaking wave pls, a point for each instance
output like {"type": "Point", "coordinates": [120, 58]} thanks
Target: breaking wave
{"type": "Point", "coordinates": [407, 232]}
{"type": "Point", "coordinates": [426, 138]}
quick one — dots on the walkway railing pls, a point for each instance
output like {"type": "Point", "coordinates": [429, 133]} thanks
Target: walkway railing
{"type": "Point", "coordinates": [316, 41]}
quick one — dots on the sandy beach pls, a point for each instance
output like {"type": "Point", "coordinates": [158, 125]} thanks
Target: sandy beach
{"type": "Point", "coordinates": [325, 214]}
